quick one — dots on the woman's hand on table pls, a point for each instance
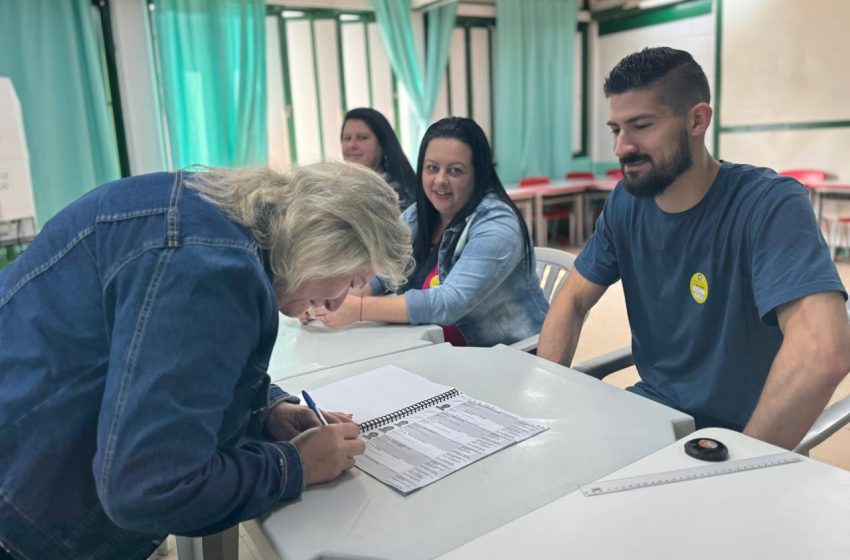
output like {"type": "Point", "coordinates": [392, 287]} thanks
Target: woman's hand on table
{"type": "Point", "coordinates": [348, 313]}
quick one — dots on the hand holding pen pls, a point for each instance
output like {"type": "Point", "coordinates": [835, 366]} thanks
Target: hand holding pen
{"type": "Point", "coordinates": [328, 451]}
{"type": "Point", "coordinates": [312, 406]}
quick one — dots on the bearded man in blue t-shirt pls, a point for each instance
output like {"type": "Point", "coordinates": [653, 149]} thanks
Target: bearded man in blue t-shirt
{"type": "Point", "coordinates": [735, 307]}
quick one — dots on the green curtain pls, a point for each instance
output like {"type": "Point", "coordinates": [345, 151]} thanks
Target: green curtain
{"type": "Point", "coordinates": [534, 87]}
{"type": "Point", "coordinates": [393, 17]}
{"type": "Point", "coordinates": [50, 51]}
{"type": "Point", "coordinates": [212, 64]}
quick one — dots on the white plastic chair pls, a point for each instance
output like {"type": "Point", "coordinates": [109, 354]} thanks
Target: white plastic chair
{"type": "Point", "coordinates": [833, 418]}
{"type": "Point", "coordinates": [553, 267]}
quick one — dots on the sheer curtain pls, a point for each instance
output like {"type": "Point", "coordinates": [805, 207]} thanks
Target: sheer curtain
{"type": "Point", "coordinates": [211, 59]}
{"type": "Point", "coordinates": [534, 85]}
{"type": "Point", "coordinates": [393, 17]}
{"type": "Point", "coordinates": [50, 51]}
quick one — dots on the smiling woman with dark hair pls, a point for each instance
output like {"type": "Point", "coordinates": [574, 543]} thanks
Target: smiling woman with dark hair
{"type": "Point", "coordinates": [368, 139]}
{"type": "Point", "coordinates": [475, 269]}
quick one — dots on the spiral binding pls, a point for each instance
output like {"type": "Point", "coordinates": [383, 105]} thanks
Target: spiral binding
{"type": "Point", "coordinates": [375, 423]}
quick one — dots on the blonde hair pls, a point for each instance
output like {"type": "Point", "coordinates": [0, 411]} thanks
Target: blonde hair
{"type": "Point", "coordinates": [319, 221]}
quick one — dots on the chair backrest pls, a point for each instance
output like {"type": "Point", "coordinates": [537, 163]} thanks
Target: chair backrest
{"type": "Point", "coordinates": [614, 173]}
{"type": "Point", "coordinates": [580, 175]}
{"type": "Point", "coordinates": [805, 175]}
{"type": "Point", "coordinates": [533, 181]}
{"type": "Point", "coordinates": [553, 267]}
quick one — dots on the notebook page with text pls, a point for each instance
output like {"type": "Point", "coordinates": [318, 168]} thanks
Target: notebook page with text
{"type": "Point", "coordinates": [417, 431]}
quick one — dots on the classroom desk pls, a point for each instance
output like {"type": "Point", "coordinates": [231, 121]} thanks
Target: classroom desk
{"type": "Point", "coordinates": [799, 510]}
{"type": "Point", "coordinates": [594, 428]}
{"type": "Point", "coordinates": [819, 191]}
{"type": "Point", "coordinates": [301, 349]}
{"type": "Point", "coordinates": [526, 202]}
{"type": "Point", "coordinates": [570, 191]}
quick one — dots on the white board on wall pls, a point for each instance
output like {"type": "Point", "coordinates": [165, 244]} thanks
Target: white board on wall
{"type": "Point", "coordinates": [785, 61]}
{"type": "Point", "coordinates": [791, 149]}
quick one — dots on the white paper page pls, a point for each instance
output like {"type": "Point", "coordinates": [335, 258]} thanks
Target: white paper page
{"type": "Point", "coordinates": [375, 393]}
{"type": "Point", "coordinates": [422, 448]}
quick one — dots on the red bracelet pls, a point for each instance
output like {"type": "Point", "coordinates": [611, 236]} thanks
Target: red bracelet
{"type": "Point", "coordinates": [361, 307]}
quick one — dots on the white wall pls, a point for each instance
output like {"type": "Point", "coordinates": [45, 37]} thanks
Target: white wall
{"type": "Point", "coordinates": [785, 61]}
{"type": "Point", "coordinates": [695, 35]}
{"type": "Point", "coordinates": [782, 62]}
{"type": "Point", "coordinates": [277, 107]}
{"type": "Point", "coordinates": [139, 99]}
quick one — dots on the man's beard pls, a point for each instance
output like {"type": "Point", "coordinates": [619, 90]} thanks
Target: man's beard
{"type": "Point", "coordinates": [659, 177]}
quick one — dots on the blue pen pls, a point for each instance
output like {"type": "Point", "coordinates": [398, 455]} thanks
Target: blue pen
{"type": "Point", "coordinates": [312, 405]}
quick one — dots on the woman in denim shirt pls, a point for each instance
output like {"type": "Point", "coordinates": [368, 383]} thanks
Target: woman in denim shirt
{"type": "Point", "coordinates": [475, 269]}
{"type": "Point", "coordinates": [137, 330]}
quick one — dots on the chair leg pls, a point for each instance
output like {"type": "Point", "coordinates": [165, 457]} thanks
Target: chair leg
{"type": "Point", "coordinates": [573, 230]}
{"type": "Point", "coordinates": [832, 242]}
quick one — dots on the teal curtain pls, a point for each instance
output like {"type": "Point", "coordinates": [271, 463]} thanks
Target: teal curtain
{"type": "Point", "coordinates": [212, 65]}
{"type": "Point", "coordinates": [534, 87]}
{"type": "Point", "coordinates": [50, 51]}
{"type": "Point", "coordinates": [393, 17]}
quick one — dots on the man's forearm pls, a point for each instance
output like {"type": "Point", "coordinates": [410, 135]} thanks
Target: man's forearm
{"type": "Point", "coordinates": [794, 395]}
{"type": "Point", "coordinates": [812, 361]}
{"type": "Point", "coordinates": [559, 336]}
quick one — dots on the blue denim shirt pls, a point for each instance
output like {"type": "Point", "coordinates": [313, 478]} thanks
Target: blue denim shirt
{"type": "Point", "coordinates": [136, 333]}
{"type": "Point", "coordinates": [486, 288]}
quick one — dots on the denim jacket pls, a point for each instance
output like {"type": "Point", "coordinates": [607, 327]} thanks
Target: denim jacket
{"type": "Point", "coordinates": [136, 333]}
{"type": "Point", "coordinates": [486, 287]}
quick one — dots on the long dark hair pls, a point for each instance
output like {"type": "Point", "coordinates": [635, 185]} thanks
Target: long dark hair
{"type": "Point", "coordinates": [486, 182]}
{"type": "Point", "coordinates": [394, 163]}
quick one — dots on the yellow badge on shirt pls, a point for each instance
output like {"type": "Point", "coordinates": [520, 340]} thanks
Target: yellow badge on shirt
{"type": "Point", "coordinates": [699, 287]}
{"type": "Point", "coordinates": [435, 281]}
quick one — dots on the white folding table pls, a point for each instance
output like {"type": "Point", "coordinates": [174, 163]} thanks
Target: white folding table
{"type": "Point", "coordinates": [594, 428]}
{"type": "Point", "coordinates": [790, 511]}
{"type": "Point", "coordinates": [301, 349]}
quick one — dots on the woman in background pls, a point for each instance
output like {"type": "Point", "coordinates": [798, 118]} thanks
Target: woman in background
{"type": "Point", "coordinates": [368, 139]}
{"type": "Point", "coordinates": [475, 272]}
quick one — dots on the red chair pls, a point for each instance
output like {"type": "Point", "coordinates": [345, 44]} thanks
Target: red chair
{"type": "Point", "coordinates": [533, 181]}
{"type": "Point", "coordinates": [555, 212]}
{"type": "Point", "coordinates": [805, 175]}
{"type": "Point", "coordinates": [614, 173]}
{"type": "Point", "coordinates": [580, 175]}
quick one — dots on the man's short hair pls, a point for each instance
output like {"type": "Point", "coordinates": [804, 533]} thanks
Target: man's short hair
{"type": "Point", "coordinates": [677, 79]}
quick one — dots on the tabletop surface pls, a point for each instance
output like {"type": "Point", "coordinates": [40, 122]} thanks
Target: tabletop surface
{"type": "Point", "coordinates": [577, 185]}
{"type": "Point", "coordinates": [835, 186]}
{"type": "Point", "coordinates": [594, 428]}
{"type": "Point", "coordinates": [799, 510]}
{"type": "Point", "coordinates": [301, 349]}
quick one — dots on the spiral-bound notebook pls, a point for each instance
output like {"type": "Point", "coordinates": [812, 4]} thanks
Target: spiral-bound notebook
{"type": "Point", "coordinates": [418, 431]}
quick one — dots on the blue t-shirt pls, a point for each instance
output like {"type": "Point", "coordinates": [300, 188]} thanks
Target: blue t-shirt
{"type": "Point", "coordinates": [702, 286]}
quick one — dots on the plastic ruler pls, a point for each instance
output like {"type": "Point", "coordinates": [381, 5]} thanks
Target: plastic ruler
{"type": "Point", "coordinates": [601, 487]}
